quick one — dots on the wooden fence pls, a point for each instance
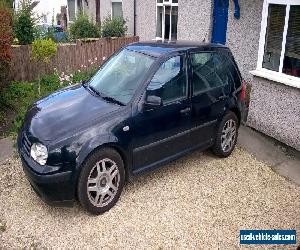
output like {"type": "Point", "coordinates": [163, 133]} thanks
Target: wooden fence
{"type": "Point", "coordinates": [69, 57]}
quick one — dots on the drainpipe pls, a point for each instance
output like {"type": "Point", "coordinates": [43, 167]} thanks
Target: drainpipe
{"type": "Point", "coordinates": [134, 17]}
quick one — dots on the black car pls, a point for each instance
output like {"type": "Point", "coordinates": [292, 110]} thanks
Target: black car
{"type": "Point", "coordinates": [150, 103]}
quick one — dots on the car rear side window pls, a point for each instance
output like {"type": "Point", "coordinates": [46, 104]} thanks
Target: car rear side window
{"type": "Point", "coordinates": [209, 70]}
{"type": "Point", "coordinates": [169, 82]}
{"type": "Point", "coordinates": [235, 74]}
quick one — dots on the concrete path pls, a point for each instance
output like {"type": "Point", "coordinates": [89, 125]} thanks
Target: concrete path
{"type": "Point", "coordinates": [6, 149]}
{"type": "Point", "coordinates": [283, 159]}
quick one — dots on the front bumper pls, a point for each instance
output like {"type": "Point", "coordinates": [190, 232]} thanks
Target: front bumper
{"type": "Point", "coordinates": [54, 187]}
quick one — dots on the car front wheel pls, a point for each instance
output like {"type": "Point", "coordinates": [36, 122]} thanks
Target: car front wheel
{"type": "Point", "coordinates": [101, 181]}
{"type": "Point", "coordinates": [226, 137]}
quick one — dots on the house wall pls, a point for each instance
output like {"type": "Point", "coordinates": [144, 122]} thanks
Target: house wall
{"type": "Point", "coordinates": [146, 19]}
{"type": "Point", "coordinates": [243, 35]}
{"type": "Point", "coordinates": [274, 110]}
{"type": "Point", "coordinates": [105, 9]}
{"type": "Point", "coordinates": [194, 20]}
{"type": "Point", "coordinates": [274, 107]}
{"type": "Point", "coordinates": [128, 15]}
{"type": "Point", "coordinates": [90, 9]}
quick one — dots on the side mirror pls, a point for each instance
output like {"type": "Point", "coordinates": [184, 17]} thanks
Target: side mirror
{"type": "Point", "coordinates": [152, 102]}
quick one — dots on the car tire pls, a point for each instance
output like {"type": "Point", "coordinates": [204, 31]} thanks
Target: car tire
{"type": "Point", "coordinates": [227, 133]}
{"type": "Point", "coordinates": [101, 181]}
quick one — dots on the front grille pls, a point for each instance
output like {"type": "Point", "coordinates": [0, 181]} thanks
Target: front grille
{"type": "Point", "coordinates": [26, 144]}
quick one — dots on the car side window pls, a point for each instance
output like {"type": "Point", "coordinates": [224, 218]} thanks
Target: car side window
{"type": "Point", "coordinates": [234, 74]}
{"type": "Point", "coordinates": [209, 70]}
{"type": "Point", "coordinates": [169, 82]}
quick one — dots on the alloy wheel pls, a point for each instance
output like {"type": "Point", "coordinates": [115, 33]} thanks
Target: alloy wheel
{"type": "Point", "coordinates": [103, 182]}
{"type": "Point", "coordinates": [228, 135]}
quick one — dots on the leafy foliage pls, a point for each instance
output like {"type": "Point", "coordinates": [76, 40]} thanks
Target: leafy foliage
{"type": "Point", "coordinates": [43, 50]}
{"type": "Point", "coordinates": [83, 28]}
{"type": "Point", "coordinates": [113, 27]}
{"type": "Point", "coordinates": [6, 3]}
{"type": "Point", "coordinates": [23, 25]}
{"type": "Point", "coordinates": [5, 45]}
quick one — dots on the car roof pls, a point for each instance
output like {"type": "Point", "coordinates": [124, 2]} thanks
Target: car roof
{"type": "Point", "coordinates": [159, 48]}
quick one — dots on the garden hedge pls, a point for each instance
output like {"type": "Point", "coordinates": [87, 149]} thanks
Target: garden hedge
{"type": "Point", "coordinates": [5, 45]}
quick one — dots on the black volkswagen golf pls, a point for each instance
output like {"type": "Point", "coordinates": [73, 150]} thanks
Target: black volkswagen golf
{"type": "Point", "coordinates": [150, 103]}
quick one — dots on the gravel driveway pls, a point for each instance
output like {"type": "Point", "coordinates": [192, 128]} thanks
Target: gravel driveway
{"type": "Point", "coordinates": [196, 202]}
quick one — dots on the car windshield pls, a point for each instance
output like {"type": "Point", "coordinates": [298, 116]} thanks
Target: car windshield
{"type": "Point", "coordinates": [120, 77]}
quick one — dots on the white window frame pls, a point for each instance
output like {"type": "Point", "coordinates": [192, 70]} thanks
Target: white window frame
{"type": "Point", "coordinates": [164, 4]}
{"type": "Point", "coordinates": [266, 73]}
{"type": "Point", "coordinates": [111, 8]}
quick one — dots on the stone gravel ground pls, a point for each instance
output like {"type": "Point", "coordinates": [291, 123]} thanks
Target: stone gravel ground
{"type": "Point", "coordinates": [199, 201]}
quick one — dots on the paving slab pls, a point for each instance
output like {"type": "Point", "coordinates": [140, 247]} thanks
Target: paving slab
{"type": "Point", "coordinates": [283, 159]}
{"type": "Point", "coordinates": [6, 149]}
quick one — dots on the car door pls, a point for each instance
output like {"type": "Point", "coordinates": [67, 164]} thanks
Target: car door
{"type": "Point", "coordinates": [210, 90]}
{"type": "Point", "coordinates": [163, 132]}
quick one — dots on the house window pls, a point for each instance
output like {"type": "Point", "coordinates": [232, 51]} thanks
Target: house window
{"type": "Point", "coordinates": [166, 19]}
{"type": "Point", "coordinates": [279, 52]}
{"type": "Point", "coordinates": [116, 8]}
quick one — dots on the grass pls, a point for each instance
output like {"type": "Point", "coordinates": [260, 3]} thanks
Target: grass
{"type": "Point", "coordinates": [19, 96]}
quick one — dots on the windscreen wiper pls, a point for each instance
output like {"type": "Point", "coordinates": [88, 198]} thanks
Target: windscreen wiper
{"type": "Point", "coordinates": [105, 97]}
{"type": "Point", "coordinates": [111, 99]}
{"type": "Point", "coordinates": [94, 90]}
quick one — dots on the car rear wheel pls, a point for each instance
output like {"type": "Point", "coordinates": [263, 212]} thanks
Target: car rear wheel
{"type": "Point", "coordinates": [101, 181]}
{"type": "Point", "coordinates": [226, 137]}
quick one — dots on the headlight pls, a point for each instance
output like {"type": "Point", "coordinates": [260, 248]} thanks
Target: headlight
{"type": "Point", "coordinates": [39, 153]}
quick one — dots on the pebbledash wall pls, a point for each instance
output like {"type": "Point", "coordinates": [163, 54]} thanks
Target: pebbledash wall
{"type": "Point", "coordinates": [274, 107]}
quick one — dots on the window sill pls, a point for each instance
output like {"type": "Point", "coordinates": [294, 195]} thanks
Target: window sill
{"type": "Point", "coordinates": [277, 77]}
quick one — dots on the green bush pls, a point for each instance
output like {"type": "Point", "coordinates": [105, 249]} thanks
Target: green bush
{"type": "Point", "coordinates": [23, 24]}
{"type": "Point", "coordinates": [43, 50]}
{"type": "Point", "coordinates": [83, 28]}
{"type": "Point", "coordinates": [113, 27]}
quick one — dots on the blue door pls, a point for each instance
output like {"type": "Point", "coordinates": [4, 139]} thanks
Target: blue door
{"type": "Point", "coordinates": [220, 19]}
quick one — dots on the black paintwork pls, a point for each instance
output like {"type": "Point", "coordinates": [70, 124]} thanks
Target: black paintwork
{"type": "Point", "coordinates": [73, 122]}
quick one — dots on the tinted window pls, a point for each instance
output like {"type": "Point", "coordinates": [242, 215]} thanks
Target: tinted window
{"type": "Point", "coordinates": [234, 73]}
{"type": "Point", "coordinates": [169, 82]}
{"type": "Point", "coordinates": [209, 70]}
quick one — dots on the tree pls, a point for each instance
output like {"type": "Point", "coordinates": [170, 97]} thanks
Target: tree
{"type": "Point", "coordinates": [42, 52]}
{"type": "Point", "coordinates": [24, 22]}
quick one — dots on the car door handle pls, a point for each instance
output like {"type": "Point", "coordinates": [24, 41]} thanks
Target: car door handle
{"type": "Point", "coordinates": [185, 111]}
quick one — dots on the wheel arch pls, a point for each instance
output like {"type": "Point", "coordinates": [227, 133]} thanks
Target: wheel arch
{"type": "Point", "coordinates": [113, 145]}
{"type": "Point", "coordinates": [237, 112]}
